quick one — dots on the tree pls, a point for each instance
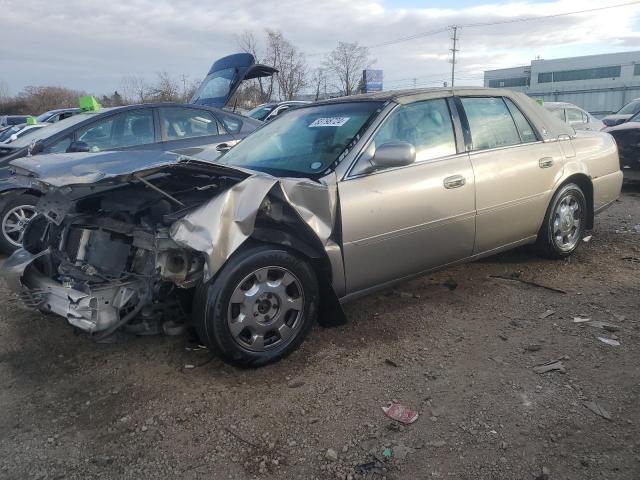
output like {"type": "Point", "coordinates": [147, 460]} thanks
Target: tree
{"type": "Point", "coordinates": [135, 89]}
{"type": "Point", "coordinates": [43, 98]}
{"type": "Point", "coordinates": [346, 64]}
{"type": "Point", "coordinates": [166, 89]}
{"type": "Point", "coordinates": [291, 65]}
{"type": "Point", "coordinates": [248, 44]}
{"type": "Point", "coordinates": [319, 82]}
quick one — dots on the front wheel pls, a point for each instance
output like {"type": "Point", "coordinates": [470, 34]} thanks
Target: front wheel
{"type": "Point", "coordinates": [564, 224]}
{"type": "Point", "coordinates": [259, 308]}
{"type": "Point", "coordinates": [17, 212]}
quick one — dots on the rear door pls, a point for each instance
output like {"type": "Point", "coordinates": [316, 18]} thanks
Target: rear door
{"type": "Point", "coordinates": [515, 171]}
{"type": "Point", "coordinates": [405, 220]}
{"type": "Point", "coordinates": [187, 130]}
{"type": "Point", "coordinates": [131, 129]}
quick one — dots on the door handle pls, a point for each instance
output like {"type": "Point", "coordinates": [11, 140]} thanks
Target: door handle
{"type": "Point", "coordinates": [454, 181]}
{"type": "Point", "coordinates": [545, 162]}
{"type": "Point", "coordinates": [223, 147]}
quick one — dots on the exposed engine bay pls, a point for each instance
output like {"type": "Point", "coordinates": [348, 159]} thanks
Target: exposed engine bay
{"type": "Point", "coordinates": [110, 256]}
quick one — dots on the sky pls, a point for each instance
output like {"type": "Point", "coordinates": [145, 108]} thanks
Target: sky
{"type": "Point", "coordinates": [91, 45]}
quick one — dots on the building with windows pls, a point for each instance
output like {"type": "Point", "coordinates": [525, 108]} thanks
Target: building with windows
{"type": "Point", "coordinates": [600, 84]}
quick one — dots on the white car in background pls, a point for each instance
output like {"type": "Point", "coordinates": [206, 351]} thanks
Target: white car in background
{"type": "Point", "coordinates": [574, 116]}
{"type": "Point", "coordinates": [18, 131]}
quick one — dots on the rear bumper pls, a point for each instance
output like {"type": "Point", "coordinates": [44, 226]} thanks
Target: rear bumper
{"type": "Point", "coordinates": [606, 190]}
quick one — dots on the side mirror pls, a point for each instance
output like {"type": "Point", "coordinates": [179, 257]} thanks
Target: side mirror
{"type": "Point", "coordinates": [78, 146]}
{"type": "Point", "coordinates": [393, 154]}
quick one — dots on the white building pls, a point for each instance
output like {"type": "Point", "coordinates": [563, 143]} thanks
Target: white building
{"type": "Point", "coordinates": [600, 84]}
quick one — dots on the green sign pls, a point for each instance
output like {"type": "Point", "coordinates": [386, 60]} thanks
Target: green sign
{"type": "Point", "coordinates": [88, 103]}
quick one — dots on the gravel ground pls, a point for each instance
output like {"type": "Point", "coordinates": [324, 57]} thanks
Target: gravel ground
{"type": "Point", "coordinates": [458, 347]}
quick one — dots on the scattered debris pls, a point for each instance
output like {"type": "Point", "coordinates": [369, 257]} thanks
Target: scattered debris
{"type": "Point", "coordinates": [406, 294]}
{"type": "Point", "coordinates": [189, 366]}
{"type": "Point", "coordinates": [609, 327]}
{"type": "Point", "coordinates": [581, 319]}
{"type": "Point", "coordinates": [331, 455]}
{"type": "Point", "coordinates": [551, 365]}
{"type": "Point", "coordinates": [436, 443]}
{"type": "Point", "coordinates": [534, 347]}
{"type": "Point", "coordinates": [369, 467]}
{"type": "Point", "coordinates": [295, 383]}
{"type": "Point", "coordinates": [631, 259]}
{"type": "Point", "coordinates": [598, 410]}
{"type": "Point", "coordinates": [400, 413]}
{"type": "Point", "coordinates": [238, 437]}
{"type": "Point", "coordinates": [387, 453]}
{"type": "Point", "coordinates": [546, 314]}
{"type": "Point", "coordinates": [587, 239]}
{"type": "Point", "coordinates": [401, 452]}
{"type": "Point", "coordinates": [391, 363]}
{"type": "Point", "coordinates": [609, 341]}
{"type": "Point", "coordinates": [515, 277]}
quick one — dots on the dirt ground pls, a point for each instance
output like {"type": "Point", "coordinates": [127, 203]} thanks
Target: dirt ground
{"type": "Point", "coordinates": [461, 357]}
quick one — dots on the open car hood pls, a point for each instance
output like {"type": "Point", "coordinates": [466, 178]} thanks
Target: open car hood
{"type": "Point", "coordinates": [226, 75]}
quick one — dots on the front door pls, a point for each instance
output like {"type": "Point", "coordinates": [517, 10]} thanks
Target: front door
{"type": "Point", "coordinates": [401, 221]}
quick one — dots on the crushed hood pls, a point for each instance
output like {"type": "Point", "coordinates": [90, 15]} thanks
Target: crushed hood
{"type": "Point", "coordinates": [226, 75]}
{"type": "Point", "coordinates": [65, 169]}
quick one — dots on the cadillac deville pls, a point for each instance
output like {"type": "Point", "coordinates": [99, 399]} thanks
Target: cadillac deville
{"type": "Point", "coordinates": [328, 203]}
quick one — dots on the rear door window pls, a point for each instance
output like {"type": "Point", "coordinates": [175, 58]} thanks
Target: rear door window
{"type": "Point", "coordinates": [134, 127]}
{"type": "Point", "coordinates": [179, 123]}
{"type": "Point", "coordinates": [426, 125]}
{"type": "Point", "coordinates": [490, 122]}
{"type": "Point", "coordinates": [574, 116]}
{"type": "Point", "coordinates": [527, 134]}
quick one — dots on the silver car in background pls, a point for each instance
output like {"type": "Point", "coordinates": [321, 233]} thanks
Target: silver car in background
{"type": "Point", "coordinates": [330, 202]}
{"type": "Point", "coordinates": [574, 116]}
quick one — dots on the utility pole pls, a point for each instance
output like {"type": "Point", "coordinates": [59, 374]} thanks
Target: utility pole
{"type": "Point", "coordinates": [453, 52]}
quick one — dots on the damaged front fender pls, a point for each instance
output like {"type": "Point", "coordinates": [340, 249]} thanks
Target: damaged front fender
{"type": "Point", "coordinates": [219, 227]}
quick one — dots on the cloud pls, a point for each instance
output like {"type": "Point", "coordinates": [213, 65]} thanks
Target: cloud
{"type": "Point", "coordinates": [92, 45]}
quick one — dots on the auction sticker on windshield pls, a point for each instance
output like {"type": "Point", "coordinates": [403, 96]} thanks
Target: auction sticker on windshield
{"type": "Point", "coordinates": [329, 122]}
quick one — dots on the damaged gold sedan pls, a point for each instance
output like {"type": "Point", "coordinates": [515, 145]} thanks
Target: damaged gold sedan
{"type": "Point", "coordinates": [328, 203]}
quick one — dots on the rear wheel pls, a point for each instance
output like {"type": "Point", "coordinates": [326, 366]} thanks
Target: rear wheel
{"type": "Point", "coordinates": [14, 217]}
{"type": "Point", "coordinates": [564, 224]}
{"type": "Point", "coordinates": [259, 308]}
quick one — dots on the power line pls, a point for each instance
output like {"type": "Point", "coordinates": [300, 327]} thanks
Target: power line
{"type": "Point", "coordinates": [542, 17]}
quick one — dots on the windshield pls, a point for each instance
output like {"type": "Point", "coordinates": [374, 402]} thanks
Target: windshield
{"type": "Point", "coordinates": [8, 132]}
{"type": "Point", "coordinates": [630, 108]}
{"type": "Point", "coordinates": [43, 117]}
{"type": "Point", "coordinates": [305, 142]}
{"type": "Point", "coordinates": [50, 130]}
{"type": "Point", "coordinates": [260, 113]}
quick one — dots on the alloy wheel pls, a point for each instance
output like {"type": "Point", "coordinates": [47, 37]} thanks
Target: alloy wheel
{"type": "Point", "coordinates": [265, 309]}
{"type": "Point", "coordinates": [15, 221]}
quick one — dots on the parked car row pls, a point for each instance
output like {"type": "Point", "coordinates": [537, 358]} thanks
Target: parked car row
{"type": "Point", "coordinates": [330, 202]}
{"type": "Point", "coordinates": [200, 128]}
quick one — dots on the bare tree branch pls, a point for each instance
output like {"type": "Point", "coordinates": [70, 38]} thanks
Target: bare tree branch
{"type": "Point", "coordinates": [346, 64]}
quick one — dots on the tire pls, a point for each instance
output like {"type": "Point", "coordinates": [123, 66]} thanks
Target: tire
{"type": "Point", "coordinates": [259, 308]}
{"type": "Point", "coordinates": [564, 223]}
{"type": "Point", "coordinates": [16, 213]}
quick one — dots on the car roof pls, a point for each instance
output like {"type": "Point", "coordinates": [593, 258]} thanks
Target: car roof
{"type": "Point", "coordinates": [402, 96]}
{"type": "Point", "coordinates": [560, 105]}
{"type": "Point", "coordinates": [59, 110]}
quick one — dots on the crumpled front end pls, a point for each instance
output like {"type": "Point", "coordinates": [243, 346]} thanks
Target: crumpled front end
{"type": "Point", "coordinates": [103, 254]}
